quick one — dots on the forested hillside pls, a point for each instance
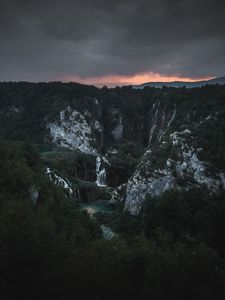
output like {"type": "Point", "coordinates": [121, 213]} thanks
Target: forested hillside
{"type": "Point", "coordinates": [112, 193]}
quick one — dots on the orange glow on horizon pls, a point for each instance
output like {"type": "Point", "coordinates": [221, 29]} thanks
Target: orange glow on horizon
{"type": "Point", "coordinates": [114, 80]}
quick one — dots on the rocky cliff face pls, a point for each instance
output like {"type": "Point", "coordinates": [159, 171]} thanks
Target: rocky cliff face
{"type": "Point", "coordinates": [172, 161]}
{"type": "Point", "coordinates": [182, 173]}
{"type": "Point", "coordinates": [73, 131]}
{"type": "Point", "coordinates": [148, 141]}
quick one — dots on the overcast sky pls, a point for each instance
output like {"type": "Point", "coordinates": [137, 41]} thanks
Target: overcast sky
{"type": "Point", "coordinates": [107, 41]}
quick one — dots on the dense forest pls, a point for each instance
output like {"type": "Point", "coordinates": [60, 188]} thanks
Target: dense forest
{"type": "Point", "coordinates": [51, 249]}
{"type": "Point", "coordinates": [25, 108]}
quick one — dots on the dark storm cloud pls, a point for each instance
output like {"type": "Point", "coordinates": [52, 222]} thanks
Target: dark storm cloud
{"type": "Point", "coordinates": [48, 40]}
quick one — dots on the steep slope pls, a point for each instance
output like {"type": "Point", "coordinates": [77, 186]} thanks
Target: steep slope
{"type": "Point", "coordinates": [180, 155]}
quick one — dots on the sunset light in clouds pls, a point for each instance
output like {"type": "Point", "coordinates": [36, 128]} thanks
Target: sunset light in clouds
{"type": "Point", "coordinates": [113, 80]}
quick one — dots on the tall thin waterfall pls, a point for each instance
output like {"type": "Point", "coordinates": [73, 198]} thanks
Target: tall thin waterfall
{"type": "Point", "coordinates": [100, 172]}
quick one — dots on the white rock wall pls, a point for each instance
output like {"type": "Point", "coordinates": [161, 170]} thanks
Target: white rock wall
{"type": "Point", "coordinates": [72, 131]}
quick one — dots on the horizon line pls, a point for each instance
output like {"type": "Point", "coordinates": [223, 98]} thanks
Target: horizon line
{"type": "Point", "coordinates": [115, 84]}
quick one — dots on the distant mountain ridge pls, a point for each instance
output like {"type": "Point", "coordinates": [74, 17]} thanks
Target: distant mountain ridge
{"type": "Point", "coordinates": [177, 84]}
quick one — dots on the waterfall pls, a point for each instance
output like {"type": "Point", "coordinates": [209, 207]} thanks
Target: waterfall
{"type": "Point", "coordinates": [118, 131]}
{"type": "Point", "coordinates": [168, 125]}
{"type": "Point", "coordinates": [100, 172]}
{"type": "Point", "coordinates": [59, 181]}
{"type": "Point", "coordinates": [154, 123]}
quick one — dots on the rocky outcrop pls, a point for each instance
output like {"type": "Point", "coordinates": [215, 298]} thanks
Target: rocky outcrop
{"type": "Point", "coordinates": [71, 130]}
{"type": "Point", "coordinates": [182, 173]}
{"type": "Point", "coordinates": [107, 233]}
{"type": "Point", "coordinates": [34, 194]}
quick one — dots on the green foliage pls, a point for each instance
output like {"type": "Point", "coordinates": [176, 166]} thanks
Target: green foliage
{"type": "Point", "coordinates": [36, 239]}
{"type": "Point", "coordinates": [187, 216]}
{"type": "Point", "coordinates": [50, 249]}
{"type": "Point", "coordinates": [123, 162]}
{"type": "Point", "coordinates": [25, 107]}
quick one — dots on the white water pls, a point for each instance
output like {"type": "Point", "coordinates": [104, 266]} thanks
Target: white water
{"type": "Point", "coordinates": [154, 123]}
{"type": "Point", "coordinates": [59, 181]}
{"type": "Point", "coordinates": [168, 125]}
{"type": "Point", "coordinates": [100, 172]}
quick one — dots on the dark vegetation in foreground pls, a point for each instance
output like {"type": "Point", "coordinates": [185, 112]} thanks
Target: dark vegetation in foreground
{"type": "Point", "coordinates": [51, 250]}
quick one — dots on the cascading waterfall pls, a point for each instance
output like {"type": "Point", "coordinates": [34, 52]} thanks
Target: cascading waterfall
{"type": "Point", "coordinates": [59, 181]}
{"type": "Point", "coordinates": [100, 172]}
{"type": "Point", "coordinates": [154, 122]}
